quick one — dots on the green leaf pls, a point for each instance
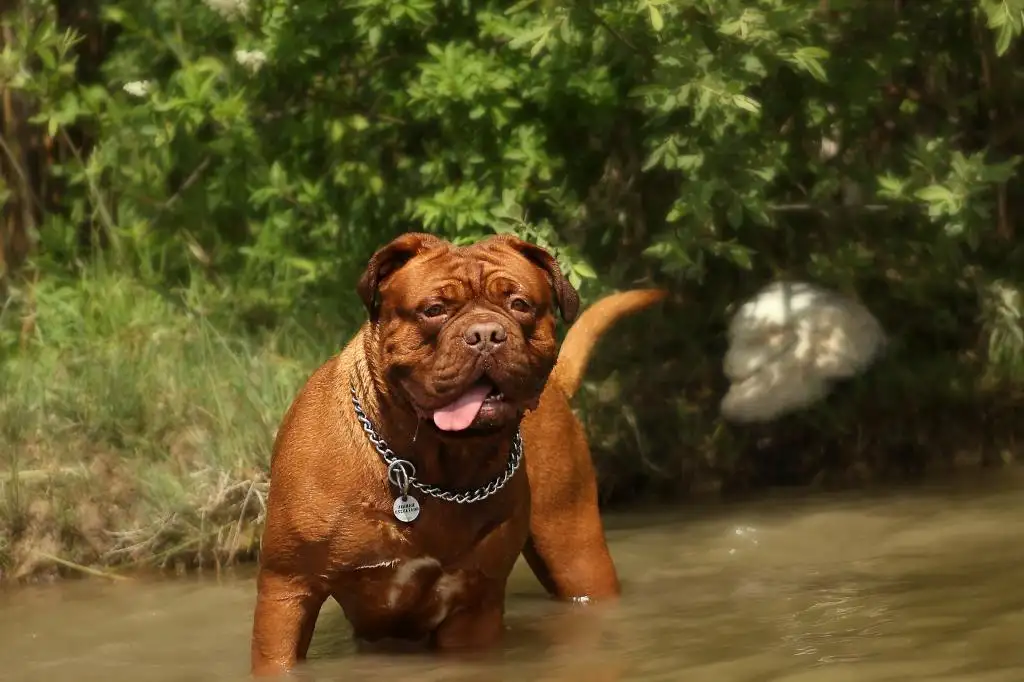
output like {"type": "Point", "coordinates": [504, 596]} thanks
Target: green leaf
{"type": "Point", "coordinates": [539, 45]}
{"type": "Point", "coordinates": [734, 215]}
{"type": "Point", "coordinates": [584, 270]}
{"type": "Point", "coordinates": [1004, 38]}
{"type": "Point", "coordinates": [891, 185]}
{"type": "Point", "coordinates": [658, 249]}
{"type": "Point", "coordinates": [746, 103]}
{"type": "Point", "coordinates": [114, 15]}
{"type": "Point", "coordinates": [812, 52]}
{"type": "Point", "coordinates": [648, 90]}
{"type": "Point", "coordinates": [520, 6]}
{"type": "Point", "coordinates": [934, 194]}
{"type": "Point", "coordinates": [533, 35]}
{"type": "Point", "coordinates": [337, 130]}
{"type": "Point", "coordinates": [741, 256]}
{"type": "Point", "coordinates": [809, 59]}
{"type": "Point", "coordinates": [731, 27]}
{"type": "Point", "coordinates": [657, 23]}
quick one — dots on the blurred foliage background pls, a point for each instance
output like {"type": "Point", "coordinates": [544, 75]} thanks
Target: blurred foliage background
{"type": "Point", "coordinates": [190, 190]}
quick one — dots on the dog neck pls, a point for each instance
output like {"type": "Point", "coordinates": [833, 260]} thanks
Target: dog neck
{"type": "Point", "coordinates": [453, 464]}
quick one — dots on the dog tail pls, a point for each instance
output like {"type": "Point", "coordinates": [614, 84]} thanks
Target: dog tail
{"type": "Point", "coordinates": [589, 327]}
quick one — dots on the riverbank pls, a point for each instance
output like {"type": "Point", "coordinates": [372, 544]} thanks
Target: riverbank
{"type": "Point", "coordinates": [135, 432]}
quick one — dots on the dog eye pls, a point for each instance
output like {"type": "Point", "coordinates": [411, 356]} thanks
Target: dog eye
{"type": "Point", "coordinates": [520, 305]}
{"type": "Point", "coordinates": [435, 310]}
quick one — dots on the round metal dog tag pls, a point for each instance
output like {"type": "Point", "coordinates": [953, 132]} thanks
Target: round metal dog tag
{"type": "Point", "coordinates": [406, 509]}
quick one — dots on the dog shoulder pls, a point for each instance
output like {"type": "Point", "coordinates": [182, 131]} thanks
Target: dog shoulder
{"type": "Point", "coordinates": [319, 477]}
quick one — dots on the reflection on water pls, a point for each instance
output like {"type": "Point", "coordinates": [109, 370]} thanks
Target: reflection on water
{"type": "Point", "coordinates": [918, 586]}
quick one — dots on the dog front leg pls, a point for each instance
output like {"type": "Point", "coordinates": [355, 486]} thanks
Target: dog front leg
{"type": "Point", "coordinates": [475, 627]}
{"type": "Point", "coordinates": [286, 611]}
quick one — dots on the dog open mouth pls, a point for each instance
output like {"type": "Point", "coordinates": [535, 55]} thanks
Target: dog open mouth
{"type": "Point", "coordinates": [460, 414]}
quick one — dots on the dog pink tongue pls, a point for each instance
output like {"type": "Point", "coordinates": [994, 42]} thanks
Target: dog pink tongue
{"type": "Point", "coordinates": [460, 414]}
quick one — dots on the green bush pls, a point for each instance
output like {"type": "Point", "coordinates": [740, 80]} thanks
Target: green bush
{"type": "Point", "coordinates": [216, 174]}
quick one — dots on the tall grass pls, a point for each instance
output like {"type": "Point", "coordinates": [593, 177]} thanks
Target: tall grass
{"type": "Point", "coordinates": [132, 430]}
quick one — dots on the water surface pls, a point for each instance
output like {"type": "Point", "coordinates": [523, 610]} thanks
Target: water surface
{"type": "Point", "coordinates": [918, 585]}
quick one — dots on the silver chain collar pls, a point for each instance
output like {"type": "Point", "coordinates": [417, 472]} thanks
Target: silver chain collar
{"type": "Point", "coordinates": [402, 473]}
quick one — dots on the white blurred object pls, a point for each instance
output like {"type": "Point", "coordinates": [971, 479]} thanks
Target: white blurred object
{"type": "Point", "coordinates": [789, 344]}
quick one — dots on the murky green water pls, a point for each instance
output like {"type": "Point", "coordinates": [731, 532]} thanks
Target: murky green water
{"type": "Point", "coordinates": [927, 585]}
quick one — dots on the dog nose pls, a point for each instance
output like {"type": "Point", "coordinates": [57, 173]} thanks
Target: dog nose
{"type": "Point", "coordinates": [484, 337]}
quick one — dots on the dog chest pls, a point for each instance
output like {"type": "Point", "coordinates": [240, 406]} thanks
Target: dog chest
{"type": "Point", "coordinates": [402, 597]}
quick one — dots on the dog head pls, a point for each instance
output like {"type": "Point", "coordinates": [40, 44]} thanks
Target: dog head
{"type": "Point", "coordinates": [465, 335]}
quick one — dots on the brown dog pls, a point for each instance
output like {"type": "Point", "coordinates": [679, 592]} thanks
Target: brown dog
{"type": "Point", "coordinates": [396, 486]}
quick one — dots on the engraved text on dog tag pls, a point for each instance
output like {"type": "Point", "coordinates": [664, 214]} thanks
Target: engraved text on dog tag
{"type": "Point", "coordinates": [406, 509]}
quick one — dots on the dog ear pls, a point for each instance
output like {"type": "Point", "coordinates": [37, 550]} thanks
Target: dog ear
{"type": "Point", "coordinates": [565, 294]}
{"type": "Point", "coordinates": [387, 260]}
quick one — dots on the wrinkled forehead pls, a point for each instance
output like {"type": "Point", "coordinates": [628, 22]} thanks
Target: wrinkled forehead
{"type": "Point", "coordinates": [476, 271]}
